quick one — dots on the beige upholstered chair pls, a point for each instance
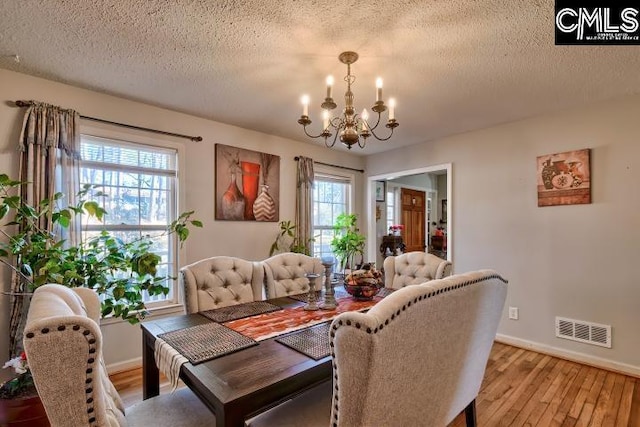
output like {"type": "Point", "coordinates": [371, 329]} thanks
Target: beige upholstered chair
{"type": "Point", "coordinates": [221, 281]}
{"type": "Point", "coordinates": [285, 274]}
{"type": "Point", "coordinates": [414, 268]}
{"type": "Point", "coordinates": [417, 358]}
{"type": "Point", "coordinates": [63, 343]}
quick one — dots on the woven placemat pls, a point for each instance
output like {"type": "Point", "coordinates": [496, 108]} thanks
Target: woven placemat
{"type": "Point", "coordinates": [205, 342]}
{"type": "Point", "coordinates": [337, 293]}
{"type": "Point", "coordinates": [239, 311]}
{"type": "Point", "coordinates": [312, 342]}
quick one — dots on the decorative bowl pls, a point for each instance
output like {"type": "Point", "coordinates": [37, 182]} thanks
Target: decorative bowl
{"type": "Point", "coordinates": [364, 292]}
{"type": "Point", "coordinates": [363, 284]}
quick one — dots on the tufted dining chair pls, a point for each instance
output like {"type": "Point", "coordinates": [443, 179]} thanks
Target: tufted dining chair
{"type": "Point", "coordinates": [221, 281]}
{"type": "Point", "coordinates": [285, 274]}
{"type": "Point", "coordinates": [414, 268]}
{"type": "Point", "coordinates": [63, 343]}
{"type": "Point", "coordinates": [443, 331]}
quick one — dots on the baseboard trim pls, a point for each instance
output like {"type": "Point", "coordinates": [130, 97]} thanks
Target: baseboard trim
{"type": "Point", "coordinates": [573, 356]}
{"type": "Point", "coordinates": [126, 365]}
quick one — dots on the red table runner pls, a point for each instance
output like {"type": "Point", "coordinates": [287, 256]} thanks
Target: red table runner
{"type": "Point", "coordinates": [263, 326]}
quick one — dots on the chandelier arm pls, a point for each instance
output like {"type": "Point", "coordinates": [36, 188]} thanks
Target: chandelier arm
{"type": "Point", "coordinates": [336, 122]}
{"type": "Point", "coordinates": [381, 139]}
{"type": "Point", "coordinates": [377, 123]}
{"type": "Point", "coordinates": [311, 136]}
{"type": "Point", "coordinates": [364, 142]}
{"type": "Point", "coordinates": [335, 138]}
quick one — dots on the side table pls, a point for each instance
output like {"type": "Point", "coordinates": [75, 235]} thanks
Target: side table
{"type": "Point", "coordinates": [393, 244]}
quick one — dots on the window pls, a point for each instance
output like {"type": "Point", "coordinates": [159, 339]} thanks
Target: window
{"type": "Point", "coordinates": [140, 182]}
{"type": "Point", "coordinates": [331, 197]}
{"type": "Point", "coordinates": [391, 207]}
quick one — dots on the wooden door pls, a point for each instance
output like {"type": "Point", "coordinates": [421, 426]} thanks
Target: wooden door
{"type": "Point", "coordinates": [413, 212]}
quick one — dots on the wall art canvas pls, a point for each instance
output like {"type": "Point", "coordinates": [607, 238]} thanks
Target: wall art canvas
{"type": "Point", "coordinates": [247, 185]}
{"type": "Point", "coordinates": [564, 178]}
{"type": "Point", "coordinates": [381, 191]}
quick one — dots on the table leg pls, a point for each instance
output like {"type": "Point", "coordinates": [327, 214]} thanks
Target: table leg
{"type": "Point", "coordinates": [150, 372]}
{"type": "Point", "coordinates": [229, 420]}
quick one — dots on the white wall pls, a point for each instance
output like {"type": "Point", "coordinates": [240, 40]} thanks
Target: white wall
{"type": "Point", "coordinates": [250, 240]}
{"type": "Point", "coordinates": [575, 261]}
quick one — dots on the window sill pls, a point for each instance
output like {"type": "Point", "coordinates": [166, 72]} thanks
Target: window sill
{"type": "Point", "coordinates": [154, 312]}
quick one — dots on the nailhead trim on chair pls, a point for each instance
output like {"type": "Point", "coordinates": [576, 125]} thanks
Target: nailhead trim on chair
{"type": "Point", "coordinates": [91, 340]}
{"type": "Point", "coordinates": [386, 322]}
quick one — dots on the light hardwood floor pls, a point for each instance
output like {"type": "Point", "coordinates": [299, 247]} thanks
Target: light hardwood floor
{"type": "Point", "coordinates": [521, 388]}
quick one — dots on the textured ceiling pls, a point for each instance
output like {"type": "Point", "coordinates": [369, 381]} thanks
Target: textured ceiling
{"type": "Point", "coordinates": [452, 65]}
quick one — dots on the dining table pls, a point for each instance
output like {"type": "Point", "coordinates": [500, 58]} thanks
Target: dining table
{"type": "Point", "coordinates": [260, 374]}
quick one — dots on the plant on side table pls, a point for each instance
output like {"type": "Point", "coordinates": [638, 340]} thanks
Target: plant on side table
{"type": "Point", "coordinates": [347, 241]}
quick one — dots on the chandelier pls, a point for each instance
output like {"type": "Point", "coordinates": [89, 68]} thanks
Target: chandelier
{"type": "Point", "coordinates": [351, 127]}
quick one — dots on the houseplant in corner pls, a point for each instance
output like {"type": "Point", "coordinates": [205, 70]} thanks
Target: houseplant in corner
{"type": "Point", "coordinates": [120, 271]}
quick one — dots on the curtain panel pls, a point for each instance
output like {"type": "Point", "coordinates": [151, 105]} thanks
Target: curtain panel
{"type": "Point", "coordinates": [304, 203]}
{"type": "Point", "coordinates": [49, 163]}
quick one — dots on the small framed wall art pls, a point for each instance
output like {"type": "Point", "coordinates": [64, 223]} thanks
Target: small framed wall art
{"type": "Point", "coordinates": [564, 178]}
{"type": "Point", "coordinates": [381, 191]}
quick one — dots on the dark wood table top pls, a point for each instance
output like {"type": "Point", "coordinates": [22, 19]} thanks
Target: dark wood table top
{"type": "Point", "coordinates": [241, 384]}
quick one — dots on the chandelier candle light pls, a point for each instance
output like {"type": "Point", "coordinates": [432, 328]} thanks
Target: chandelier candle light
{"type": "Point", "coordinates": [351, 127]}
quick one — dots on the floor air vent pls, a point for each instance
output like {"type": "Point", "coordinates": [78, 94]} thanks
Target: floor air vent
{"type": "Point", "coordinates": [586, 332]}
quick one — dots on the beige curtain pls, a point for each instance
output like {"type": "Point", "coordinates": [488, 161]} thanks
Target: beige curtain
{"type": "Point", "coordinates": [49, 163]}
{"type": "Point", "coordinates": [304, 205]}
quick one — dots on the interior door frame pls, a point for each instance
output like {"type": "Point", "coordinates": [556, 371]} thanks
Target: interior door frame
{"type": "Point", "coordinates": [371, 204]}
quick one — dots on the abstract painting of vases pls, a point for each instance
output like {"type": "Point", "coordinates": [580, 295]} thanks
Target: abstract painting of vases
{"type": "Point", "coordinates": [247, 185]}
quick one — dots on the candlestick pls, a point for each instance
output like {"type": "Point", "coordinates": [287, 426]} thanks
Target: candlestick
{"type": "Point", "coordinates": [365, 117]}
{"type": "Point", "coordinates": [379, 89]}
{"type": "Point", "coordinates": [312, 303]}
{"type": "Point", "coordinates": [329, 300]}
{"type": "Point", "coordinates": [305, 105]}
{"type": "Point", "coordinates": [329, 85]}
{"type": "Point", "coordinates": [325, 119]}
{"type": "Point", "coordinates": [392, 108]}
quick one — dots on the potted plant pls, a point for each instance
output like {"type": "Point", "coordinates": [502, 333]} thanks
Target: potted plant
{"type": "Point", "coordinates": [20, 404]}
{"type": "Point", "coordinates": [286, 240]}
{"type": "Point", "coordinates": [347, 241]}
{"type": "Point", "coordinates": [120, 271]}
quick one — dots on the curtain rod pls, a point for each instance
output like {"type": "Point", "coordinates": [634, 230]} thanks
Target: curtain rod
{"type": "Point", "coordinates": [296, 158]}
{"type": "Point", "coordinates": [178, 135]}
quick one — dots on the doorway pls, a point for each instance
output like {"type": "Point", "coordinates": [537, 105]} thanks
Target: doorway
{"type": "Point", "coordinates": [430, 201]}
{"type": "Point", "coordinates": [413, 211]}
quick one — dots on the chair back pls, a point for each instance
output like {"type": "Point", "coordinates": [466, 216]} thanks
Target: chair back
{"type": "Point", "coordinates": [414, 268]}
{"type": "Point", "coordinates": [63, 344]}
{"type": "Point", "coordinates": [418, 356]}
{"type": "Point", "coordinates": [285, 274]}
{"type": "Point", "coordinates": [221, 281]}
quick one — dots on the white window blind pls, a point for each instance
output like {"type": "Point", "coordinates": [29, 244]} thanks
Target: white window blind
{"type": "Point", "coordinates": [141, 186]}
